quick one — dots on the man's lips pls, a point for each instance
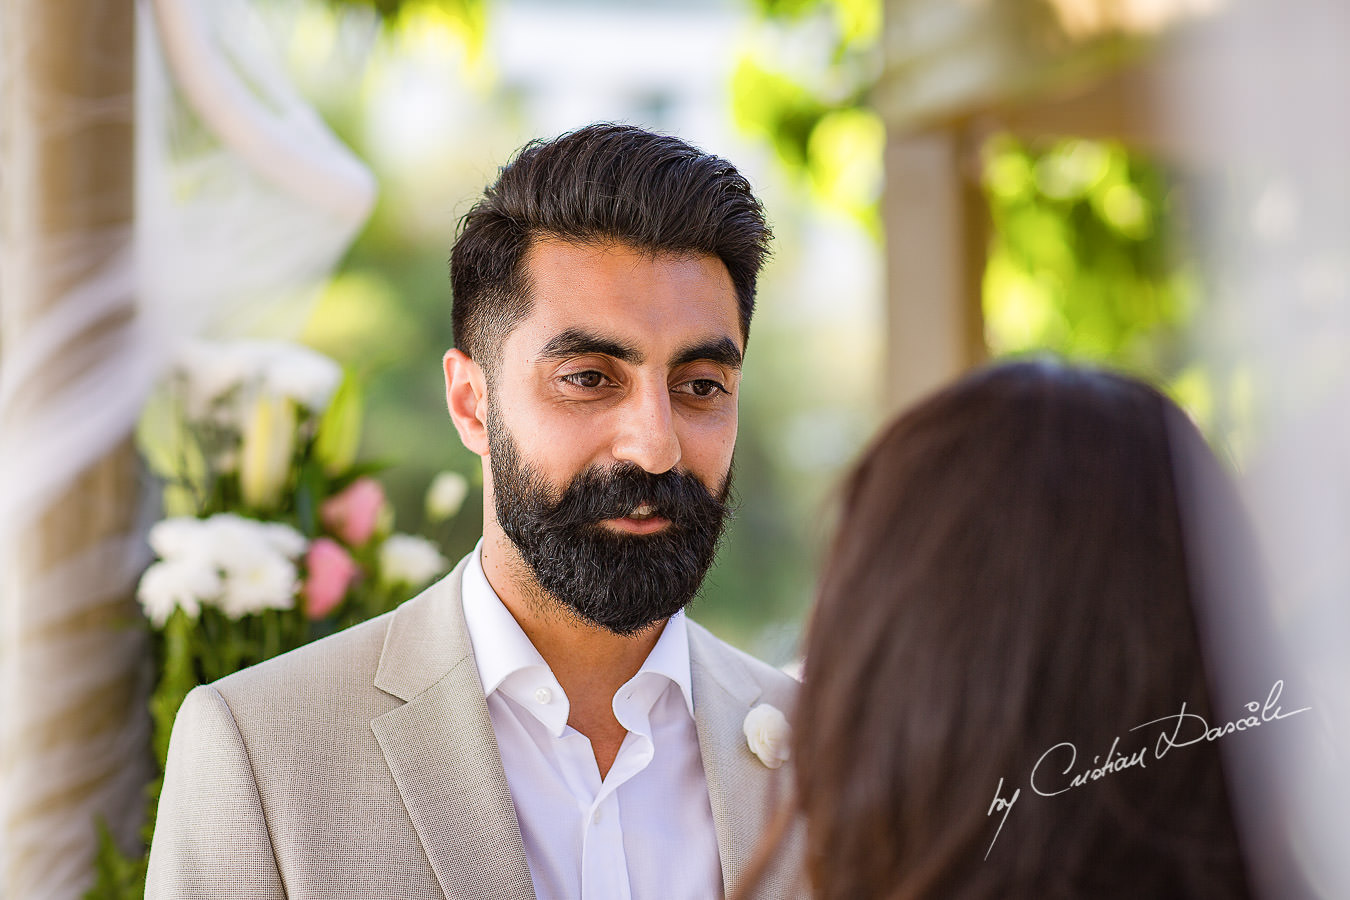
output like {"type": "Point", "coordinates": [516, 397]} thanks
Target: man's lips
{"type": "Point", "coordinates": [642, 520]}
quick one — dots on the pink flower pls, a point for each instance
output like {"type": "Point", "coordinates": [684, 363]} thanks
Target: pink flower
{"type": "Point", "coordinates": [354, 513]}
{"type": "Point", "coordinates": [331, 572]}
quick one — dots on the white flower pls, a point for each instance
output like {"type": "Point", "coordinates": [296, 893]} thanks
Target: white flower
{"type": "Point", "coordinates": [252, 557]}
{"type": "Point", "coordinates": [446, 495]}
{"type": "Point", "coordinates": [173, 584]}
{"type": "Point", "coordinates": [284, 539]}
{"type": "Point", "coordinates": [211, 370]}
{"type": "Point", "coordinates": [266, 581]}
{"type": "Point", "coordinates": [236, 540]}
{"type": "Point", "coordinates": [240, 565]}
{"type": "Point", "coordinates": [180, 537]}
{"type": "Point", "coordinates": [214, 370]}
{"type": "Point", "coordinates": [304, 375]}
{"type": "Point", "coordinates": [407, 559]}
{"type": "Point", "coordinates": [233, 537]}
{"type": "Point", "coordinates": [768, 734]}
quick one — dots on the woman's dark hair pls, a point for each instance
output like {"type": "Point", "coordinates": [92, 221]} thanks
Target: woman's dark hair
{"type": "Point", "coordinates": [1010, 574]}
{"type": "Point", "coordinates": [604, 182]}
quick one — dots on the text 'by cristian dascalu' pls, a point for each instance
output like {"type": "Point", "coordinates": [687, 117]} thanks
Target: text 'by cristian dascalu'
{"type": "Point", "coordinates": [1051, 774]}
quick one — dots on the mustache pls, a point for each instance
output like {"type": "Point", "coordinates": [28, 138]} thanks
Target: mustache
{"type": "Point", "coordinates": [614, 492]}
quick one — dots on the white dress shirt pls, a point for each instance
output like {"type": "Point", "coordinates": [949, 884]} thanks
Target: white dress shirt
{"type": "Point", "coordinates": [643, 832]}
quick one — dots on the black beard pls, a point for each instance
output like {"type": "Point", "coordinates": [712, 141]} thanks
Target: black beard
{"type": "Point", "coordinates": [624, 583]}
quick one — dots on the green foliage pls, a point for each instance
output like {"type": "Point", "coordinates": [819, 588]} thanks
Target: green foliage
{"type": "Point", "coordinates": [387, 315]}
{"type": "Point", "coordinates": [116, 876]}
{"type": "Point", "coordinates": [1083, 260]}
{"type": "Point", "coordinates": [801, 87]}
{"type": "Point", "coordinates": [1089, 260]}
{"type": "Point", "coordinates": [777, 107]}
{"type": "Point", "coordinates": [811, 106]}
{"type": "Point", "coordinates": [471, 13]}
{"type": "Point", "coordinates": [168, 445]}
{"type": "Point", "coordinates": [857, 23]}
{"type": "Point", "coordinates": [339, 433]}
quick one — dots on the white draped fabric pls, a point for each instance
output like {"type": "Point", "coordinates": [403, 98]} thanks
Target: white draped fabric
{"type": "Point", "coordinates": [1264, 94]}
{"type": "Point", "coordinates": [244, 202]}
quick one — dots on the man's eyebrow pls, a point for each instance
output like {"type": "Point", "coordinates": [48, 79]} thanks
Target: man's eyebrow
{"type": "Point", "coordinates": [722, 351]}
{"type": "Point", "coordinates": [579, 342]}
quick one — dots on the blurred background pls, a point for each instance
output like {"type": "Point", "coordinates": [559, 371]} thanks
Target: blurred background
{"type": "Point", "coordinates": [1011, 236]}
{"type": "Point", "coordinates": [1155, 185]}
{"type": "Point", "coordinates": [438, 95]}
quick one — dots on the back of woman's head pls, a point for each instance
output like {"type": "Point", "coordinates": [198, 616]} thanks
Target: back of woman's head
{"type": "Point", "coordinates": [1009, 576]}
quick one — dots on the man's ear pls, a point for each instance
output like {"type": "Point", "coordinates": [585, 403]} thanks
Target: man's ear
{"type": "Point", "coordinates": [466, 397]}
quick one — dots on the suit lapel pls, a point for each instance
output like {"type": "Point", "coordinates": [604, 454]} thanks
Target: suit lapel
{"type": "Point", "coordinates": [743, 791]}
{"type": "Point", "coordinates": [442, 752]}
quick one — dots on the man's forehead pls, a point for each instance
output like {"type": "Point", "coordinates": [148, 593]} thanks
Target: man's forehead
{"type": "Point", "coordinates": [628, 303]}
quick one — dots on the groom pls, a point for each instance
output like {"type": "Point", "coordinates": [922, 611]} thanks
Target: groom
{"type": "Point", "coordinates": [544, 721]}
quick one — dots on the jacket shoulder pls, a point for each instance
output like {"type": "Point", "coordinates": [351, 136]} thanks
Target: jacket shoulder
{"type": "Point", "coordinates": [771, 684]}
{"type": "Point", "coordinates": [338, 684]}
{"type": "Point", "coordinates": [349, 655]}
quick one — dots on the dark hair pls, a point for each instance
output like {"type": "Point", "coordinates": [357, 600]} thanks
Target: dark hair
{"type": "Point", "coordinates": [1010, 573]}
{"type": "Point", "coordinates": [603, 182]}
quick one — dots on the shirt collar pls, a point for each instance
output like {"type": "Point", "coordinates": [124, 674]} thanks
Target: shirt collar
{"type": "Point", "coordinates": [670, 658]}
{"type": "Point", "coordinates": [501, 647]}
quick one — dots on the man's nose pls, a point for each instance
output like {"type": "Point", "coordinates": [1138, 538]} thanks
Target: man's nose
{"type": "Point", "coordinates": [646, 435]}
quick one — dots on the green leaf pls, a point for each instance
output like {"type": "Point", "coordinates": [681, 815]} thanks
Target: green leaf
{"type": "Point", "coordinates": [178, 677]}
{"type": "Point", "coordinates": [339, 434]}
{"type": "Point", "coordinates": [179, 500]}
{"type": "Point", "coordinates": [776, 106]}
{"type": "Point", "coordinates": [469, 16]}
{"type": "Point", "coordinates": [310, 490]}
{"type": "Point", "coordinates": [116, 875]}
{"type": "Point", "coordinates": [170, 448]}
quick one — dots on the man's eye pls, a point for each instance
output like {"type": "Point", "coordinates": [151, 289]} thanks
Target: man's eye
{"type": "Point", "coordinates": [703, 387]}
{"type": "Point", "coordinates": [585, 379]}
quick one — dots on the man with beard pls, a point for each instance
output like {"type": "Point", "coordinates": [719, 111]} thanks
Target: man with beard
{"type": "Point", "coordinates": [543, 722]}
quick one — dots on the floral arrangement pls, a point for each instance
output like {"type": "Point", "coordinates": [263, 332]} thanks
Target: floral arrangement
{"type": "Point", "coordinates": [273, 535]}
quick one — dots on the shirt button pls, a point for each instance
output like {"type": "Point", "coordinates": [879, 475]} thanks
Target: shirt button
{"type": "Point", "coordinates": [544, 696]}
{"type": "Point", "coordinates": [595, 817]}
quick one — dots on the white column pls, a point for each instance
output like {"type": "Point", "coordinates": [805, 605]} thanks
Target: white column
{"type": "Point", "coordinates": [72, 720]}
{"type": "Point", "coordinates": [936, 238]}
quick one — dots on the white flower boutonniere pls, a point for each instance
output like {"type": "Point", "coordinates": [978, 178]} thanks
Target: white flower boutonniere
{"type": "Point", "coordinates": [768, 734]}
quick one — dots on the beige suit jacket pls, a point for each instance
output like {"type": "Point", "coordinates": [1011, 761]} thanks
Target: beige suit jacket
{"type": "Point", "coordinates": [365, 765]}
